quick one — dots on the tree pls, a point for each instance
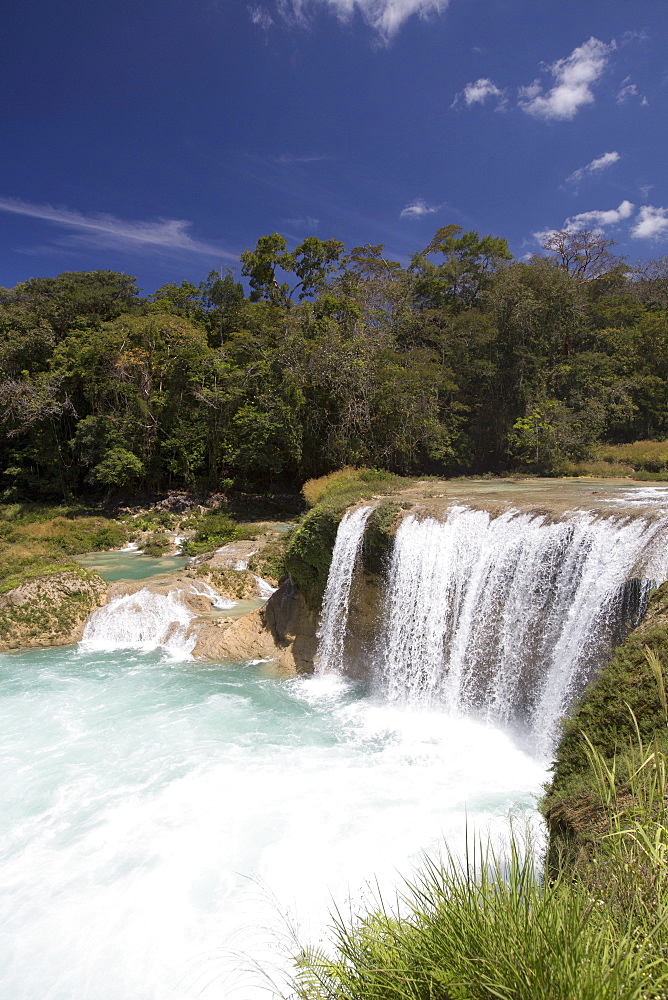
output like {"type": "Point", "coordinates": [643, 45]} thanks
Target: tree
{"type": "Point", "coordinates": [583, 255]}
{"type": "Point", "coordinates": [95, 296]}
{"type": "Point", "coordinates": [312, 262]}
{"type": "Point", "coordinates": [222, 298]}
{"type": "Point", "coordinates": [462, 275]}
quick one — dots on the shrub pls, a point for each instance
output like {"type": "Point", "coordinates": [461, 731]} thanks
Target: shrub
{"type": "Point", "coordinates": [156, 544]}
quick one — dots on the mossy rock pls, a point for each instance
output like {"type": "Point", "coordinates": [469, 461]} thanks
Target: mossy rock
{"type": "Point", "coordinates": [624, 694]}
{"type": "Point", "coordinates": [379, 536]}
{"type": "Point", "coordinates": [309, 554]}
{"type": "Point", "coordinates": [49, 610]}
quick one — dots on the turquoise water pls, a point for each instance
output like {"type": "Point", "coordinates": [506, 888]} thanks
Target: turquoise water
{"type": "Point", "coordinates": [166, 826]}
{"type": "Point", "coordinates": [124, 564]}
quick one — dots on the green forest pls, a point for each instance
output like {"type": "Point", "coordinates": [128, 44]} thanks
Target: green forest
{"type": "Point", "coordinates": [466, 361]}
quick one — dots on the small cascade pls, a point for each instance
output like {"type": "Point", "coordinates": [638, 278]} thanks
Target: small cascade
{"type": "Point", "coordinates": [143, 620]}
{"type": "Point", "coordinates": [507, 617]}
{"type": "Point", "coordinates": [178, 541]}
{"type": "Point", "coordinates": [203, 589]}
{"type": "Point", "coordinates": [264, 588]}
{"type": "Point", "coordinates": [334, 614]}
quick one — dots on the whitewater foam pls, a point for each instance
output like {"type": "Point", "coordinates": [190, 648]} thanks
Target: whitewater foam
{"type": "Point", "coordinates": [142, 620]}
{"type": "Point", "coordinates": [506, 618]}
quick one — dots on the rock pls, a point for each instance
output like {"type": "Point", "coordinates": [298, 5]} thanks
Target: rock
{"type": "Point", "coordinates": [50, 610]}
{"type": "Point", "coordinates": [284, 630]}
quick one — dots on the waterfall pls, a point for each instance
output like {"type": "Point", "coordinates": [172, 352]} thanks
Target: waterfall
{"type": "Point", "coordinates": [335, 603]}
{"type": "Point", "coordinates": [507, 617]}
{"type": "Point", "coordinates": [142, 620]}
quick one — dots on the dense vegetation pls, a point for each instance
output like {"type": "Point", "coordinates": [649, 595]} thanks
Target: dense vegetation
{"type": "Point", "coordinates": [466, 361]}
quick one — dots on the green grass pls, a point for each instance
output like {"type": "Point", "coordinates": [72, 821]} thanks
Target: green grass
{"type": "Point", "coordinates": [592, 926]}
{"type": "Point", "coordinates": [491, 928]}
{"type": "Point", "coordinates": [347, 486]}
{"type": "Point", "coordinates": [38, 541]}
{"type": "Point", "coordinates": [620, 706]}
{"type": "Point", "coordinates": [646, 461]}
{"type": "Point", "coordinates": [213, 529]}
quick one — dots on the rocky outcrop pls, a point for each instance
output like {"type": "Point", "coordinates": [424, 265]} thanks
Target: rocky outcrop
{"type": "Point", "coordinates": [283, 630]}
{"type": "Point", "coordinates": [50, 610]}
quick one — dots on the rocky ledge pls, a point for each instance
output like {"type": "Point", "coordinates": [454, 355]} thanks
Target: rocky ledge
{"type": "Point", "coordinates": [49, 610]}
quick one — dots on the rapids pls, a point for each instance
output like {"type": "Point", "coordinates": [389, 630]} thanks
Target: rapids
{"type": "Point", "coordinates": [166, 825]}
{"type": "Point", "coordinates": [173, 830]}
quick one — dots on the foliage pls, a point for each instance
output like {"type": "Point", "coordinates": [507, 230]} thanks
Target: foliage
{"type": "Point", "coordinates": [378, 536]}
{"type": "Point", "coordinates": [156, 544]}
{"type": "Point", "coordinates": [645, 456]}
{"type": "Point", "coordinates": [490, 927]}
{"type": "Point", "coordinates": [495, 925]}
{"type": "Point", "coordinates": [39, 541]}
{"type": "Point", "coordinates": [213, 529]}
{"type": "Point", "coordinates": [464, 362]}
{"type": "Point", "coordinates": [623, 703]}
{"type": "Point", "coordinates": [360, 483]}
{"type": "Point", "coordinates": [309, 552]}
{"type": "Point", "coordinates": [269, 561]}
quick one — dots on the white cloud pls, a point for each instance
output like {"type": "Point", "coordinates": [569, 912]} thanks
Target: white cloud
{"type": "Point", "coordinates": [574, 77]}
{"type": "Point", "coordinates": [598, 219]}
{"type": "Point", "coordinates": [103, 230]}
{"type": "Point", "coordinates": [260, 16]}
{"type": "Point", "coordinates": [651, 223]}
{"type": "Point", "coordinates": [479, 92]}
{"type": "Point", "coordinates": [626, 91]}
{"type": "Point", "coordinates": [418, 208]}
{"type": "Point", "coordinates": [385, 16]}
{"type": "Point", "coordinates": [600, 163]}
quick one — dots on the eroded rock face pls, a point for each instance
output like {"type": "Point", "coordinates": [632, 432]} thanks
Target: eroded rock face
{"type": "Point", "coordinates": [49, 611]}
{"type": "Point", "coordinates": [284, 630]}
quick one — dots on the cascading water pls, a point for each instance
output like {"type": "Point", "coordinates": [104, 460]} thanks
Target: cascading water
{"type": "Point", "coordinates": [143, 620]}
{"type": "Point", "coordinates": [334, 615]}
{"type": "Point", "coordinates": [161, 820]}
{"type": "Point", "coordinates": [506, 617]}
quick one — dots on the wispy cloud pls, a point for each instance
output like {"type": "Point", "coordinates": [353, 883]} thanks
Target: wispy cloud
{"type": "Point", "coordinates": [482, 90]}
{"type": "Point", "coordinates": [418, 208]}
{"type": "Point", "coordinates": [594, 166]}
{"type": "Point", "coordinates": [260, 15]}
{"type": "Point", "coordinates": [574, 77]}
{"type": "Point", "coordinates": [651, 223]}
{"type": "Point", "coordinates": [289, 158]}
{"type": "Point", "coordinates": [102, 230]}
{"type": "Point", "coordinates": [303, 222]}
{"type": "Point", "coordinates": [626, 91]}
{"type": "Point", "coordinates": [385, 17]}
{"type": "Point", "coordinates": [596, 220]}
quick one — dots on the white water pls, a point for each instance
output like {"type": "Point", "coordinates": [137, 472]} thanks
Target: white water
{"type": "Point", "coordinates": [203, 589]}
{"type": "Point", "coordinates": [143, 620]}
{"type": "Point", "coordinates": [334, 614]}
{"type": "Point", "coordinates": [506, 618]}
{"type": "Point", "coordinates": [163, 823]}
{"type": "Point", "coordinates": [264, 588]}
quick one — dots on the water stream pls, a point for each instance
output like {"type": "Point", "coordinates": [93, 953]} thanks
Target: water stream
{"type": "Point", "coordinates": [165, 823]}
{"type": "Point", "coordinates": [168, 826]}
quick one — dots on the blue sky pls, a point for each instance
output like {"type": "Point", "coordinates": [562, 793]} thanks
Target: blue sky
{"type": "Point", "coordinates": [162, 137]}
